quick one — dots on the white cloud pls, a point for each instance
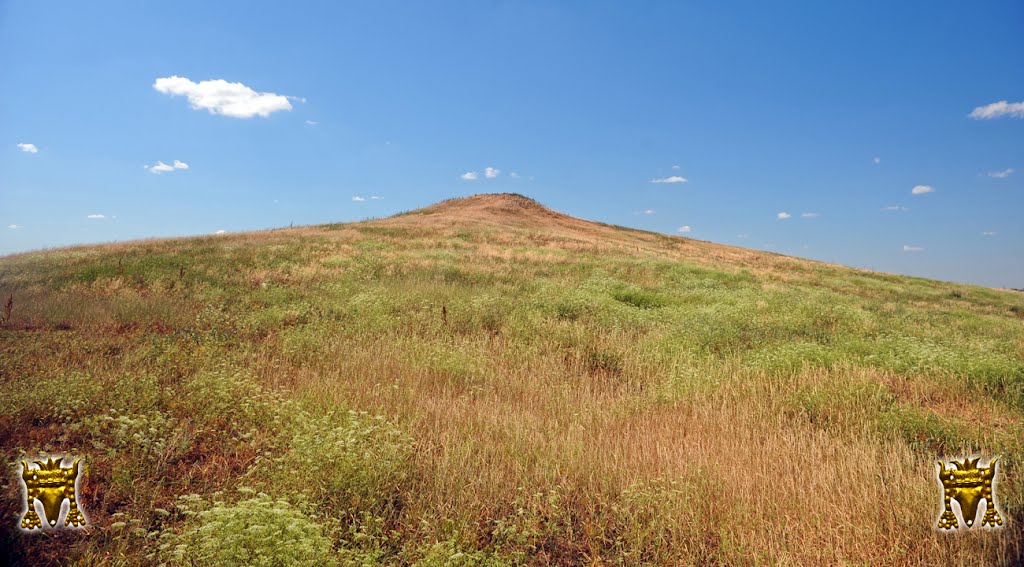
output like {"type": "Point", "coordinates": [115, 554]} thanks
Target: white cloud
{"type": "Point", "coordinates": [14, 226]}
{"type": "Point", "coordinates": [221, 97]}
{"type": "Point", "coordinates": [312, 122]}
{"type": "Point", "coordinates": [1001, 174]}
{"type": "Point", "coordinates": [221, 231]}
{"type": "Point", "coordinates": [809, 215]}
{"type": "Point", "coordinates": [877, 160]}
{"type": "Point", "coordinates": [895, 208]}
{"type": "Point", "coordinates": [469, 176]}
{"type": "Point", "coordinates": [96, 217]}
{"type": "Point", "coordinates": [675, 167]}
{"type": "Point", "coordinates": [685, 229]}
{"type": "Point", "coordinates": [491, 173]}
{"type": "Point", "coordinates": [161, 167]}
{"type": "Point", "coordinates": [375, 198]}
{"type": "Point", "coordinates": [997, 109]}
{"type": "Point", "coordinates": [28, 148]}
{"type": "Point", "coordinates": [649, 212]}
{"type": "Point", "coordinates": [358, 199]}
{"type": "Point", "coordinates": [514, 175]}
{"type": "Point", "coordinates": [989, 233]}
{"type": "Point", "coordinates": [672, 179]}
{"type": "Point", "coordinates": [909, 248]}
{"type": "Point", "coordinates": [922, 189]}
{"type": "Point", "coordinates": [784, 216]}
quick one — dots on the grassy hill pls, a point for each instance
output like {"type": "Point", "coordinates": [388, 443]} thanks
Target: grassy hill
{"type": "Point", "coordinates": [487, 381]}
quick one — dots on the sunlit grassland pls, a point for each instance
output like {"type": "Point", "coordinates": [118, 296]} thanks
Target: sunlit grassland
{"type": "Point", "coordinates": [643, 400]}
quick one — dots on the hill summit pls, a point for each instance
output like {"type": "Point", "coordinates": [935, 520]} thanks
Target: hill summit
{"type": "Point", "coordinates": [495, 216]}
{"type": "Point", "coordinates": [508, 209]}
{"type": "Point", "coordinates": [510, 204]}
{"type": "Point", "coordinates": [501, 213]}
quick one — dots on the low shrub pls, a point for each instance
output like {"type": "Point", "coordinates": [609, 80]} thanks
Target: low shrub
{"type": "Point", "coordinates": [254, 531]}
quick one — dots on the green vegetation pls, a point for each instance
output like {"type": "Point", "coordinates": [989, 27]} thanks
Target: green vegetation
{"type": "Point", "coordinates": [296, 396]}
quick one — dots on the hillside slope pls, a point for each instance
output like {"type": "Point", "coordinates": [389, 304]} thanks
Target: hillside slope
{"type": "Point", "coordinates": [487, 381]}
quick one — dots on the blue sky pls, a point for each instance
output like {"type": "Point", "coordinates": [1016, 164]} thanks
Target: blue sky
{"type": "Point", "coordinates": [826, 108]}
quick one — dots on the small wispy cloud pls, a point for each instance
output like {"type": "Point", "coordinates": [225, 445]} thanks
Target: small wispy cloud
{"type": "Point", "coordinates": [685, 229]}
{"type": "Point", "coordinates": [162, 167]}
{"type": "Point", "coordinates": [28, 148]}
{"type": "Point", "coordinates": [489, 173]}
{"type": "Point", "coordinates": [514, 175]}
{"type": "Point", "coordinates": [375, 197]}
{"type": "Point", "coordinates": [358, 199]}
{"type": "Point", "coordinates": [311, 122]}
{"type": "Point", "coordinates": [96, 216]}
{"type": "Point", "coordinates": [895, 208]}
{"type": "Point", "coordinates": [1001, 174]}
{"type": "Point", "coordinates": [989, 233]}
{"type": "Point", "coordinates": [784, 216]}
{"type": "Point", "coordinates": [743, 236]}
{"type": "Point", "coordinates": [998, 109]}
{"type": "Point", "coordinates": [909, 248]}
{"type": "Point", "coordinates": [810, 215]}
{"type": "Point", "coordinates": [670, 179]}
{"type": "Point", "coordinates": [14, 226]}
{"type": "Point", "coordinates": [922, 189]}
{"type": "Point", "coordinates": [676, 167]}
{"type": "Point", "coordinates": [221, 97]}
{"type": "Point", "coordinates": [877, 160]}
{"type": "Point", "coordinates": [649, 212]}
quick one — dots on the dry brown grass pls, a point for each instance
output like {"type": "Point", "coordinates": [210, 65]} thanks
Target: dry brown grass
{"type": "Point", "coordinates": [753, 482]}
